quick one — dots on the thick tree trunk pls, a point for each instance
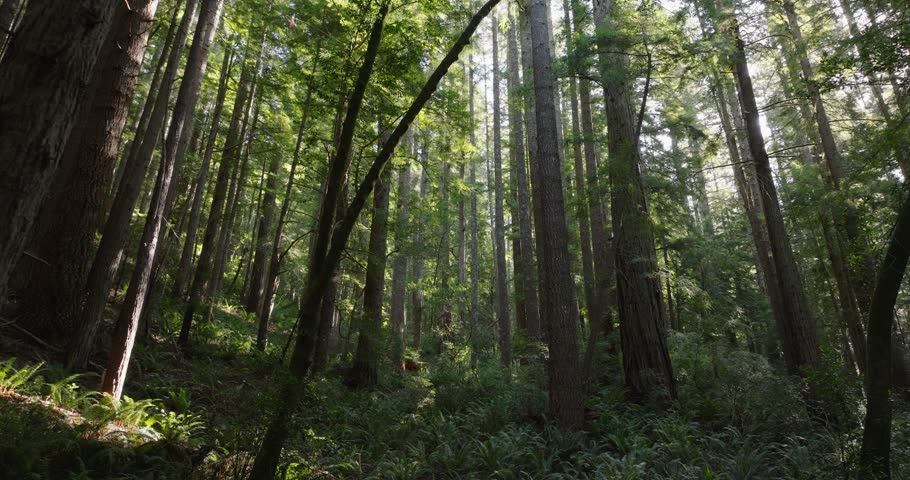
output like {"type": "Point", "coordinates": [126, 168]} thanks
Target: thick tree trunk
{"type": "Point", "coordinates": [43, 80]}
{"type": "Point", "coordinates": [875, 457]}
{"type": "Point", "coordinates": [646, 360]}
{"type": "Point", "coordinates": [128, 319]}
{"type": "Point", "coordinates": [502, 287]}
{"type": "Point", "coordinates": [63, 236]}
{"type": "Point", "coordinates": [109, 255]}
{"type": "Point", "coordinates": [270, 451]}
{"type": "Point", "coordinates": [559, 311]}
{"type": "Point", "coordinates": [797, 330]}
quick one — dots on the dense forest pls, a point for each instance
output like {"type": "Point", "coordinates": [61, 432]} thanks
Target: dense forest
{"type": "Point", "coordinates": [446, 239]}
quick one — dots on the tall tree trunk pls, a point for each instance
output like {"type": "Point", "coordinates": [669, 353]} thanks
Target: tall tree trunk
{"type": "Point", "coordinates": [365, 369]}
{"type": "Point", "coordinates": [417, 293]}
{"type": "Point", "coordinates": [797, 330]}
{"type": "Point", "coordinates": [740, 155]}
{"type": "Point", "coordinates": [400, 263]}
{"type": "Point", "coordinates": [235, 194]}
{"type": "Point", "coordinates": [128, 319]}
{"type": "Point", "coordinates": [189, 244]}
{"type": "Point", "coordinates": [270, 451]}
{"type": "Point", "coordinates": [200, 286]}
{"type": "Point", "coordinates": [265, 312]}
{"type": "Point", "coordinates": [875, 457]}
{"type": "Point", "coordinates": [256, 295]}
{"type": "Point", "coordinates": [524, 30]}
{"type": "Point", "coordinates": [524, 255]}
{"type": "Point", "coordinates": [109, 255]}
{"type": "Point", "coordinates": [475, 245]}
{"type": "Point", "coordinates": [442, 262]}
{"type": "Point", "coordinates": [864, 272]}
{"type": "Point", "coordinates": [63, 237]}
{"type": "Point", "coordinates": [646, 360]}
{"type": "Point", "coordinates": [558, 308]}
{"type": "Point", "coordinates": [604, 261]}
{"type": "Point", "coordinates": [593, 302]}
{"type": "Point", "coordinates": [43, 79]}
{"type": "Point", "coordinates": [502, 287]}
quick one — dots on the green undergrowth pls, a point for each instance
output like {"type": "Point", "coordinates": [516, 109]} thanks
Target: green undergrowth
{"type": "Point", "coordinates": [199, 414]}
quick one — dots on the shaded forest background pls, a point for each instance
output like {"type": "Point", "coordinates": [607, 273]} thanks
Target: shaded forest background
{"type": "Point", "coordinates": [444, 239]}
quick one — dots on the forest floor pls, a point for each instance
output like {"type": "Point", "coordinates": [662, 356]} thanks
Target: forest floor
{"type": "Point", "coordinates": [199, 413]}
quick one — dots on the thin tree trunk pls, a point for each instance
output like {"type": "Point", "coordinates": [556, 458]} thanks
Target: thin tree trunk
{"type": "Point", "coordinates": [417, 293]}
{"type": "Point", "coordinates": [524, 255]}
{"type": "Point", "coordinates": [200, 286]}
{"type": "Point", "coordinates": [400, 262]}
{"type": "Point", "coordinates": [502, 287]}
{"type": "Point", "coordinates": [9, 10]}
{"type": "Point", "coordinates": [189, 244]}
{"type": "Point", "coordinates": [43, 78]}
{"type": "Point", "coordinates": [128, 319]}
{"type": "Point", "coordinates": [593, 301]}
{"type": "Point", "coordinates": [846, 215]}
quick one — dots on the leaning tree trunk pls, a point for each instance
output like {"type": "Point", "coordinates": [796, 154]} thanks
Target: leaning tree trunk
{"type": "Point", "coordinates": [130, 312]}
{"type": "Point", "coordinates": [875, 457]}
{"type": "Point", "coordinates": [559, 311]}
{"type": "Point", "coordinates": [64, 232]}
{"type": "Point", "coordinates": [646, 360]}
{"type": "Point", "coordinates": [847, 216]}
{"type": "Point", "coordinates": [43, 78]}
{"type": "Point", "coordinates": [797, 331]}
{"type": "Point", "coordinates": [270, 451]}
